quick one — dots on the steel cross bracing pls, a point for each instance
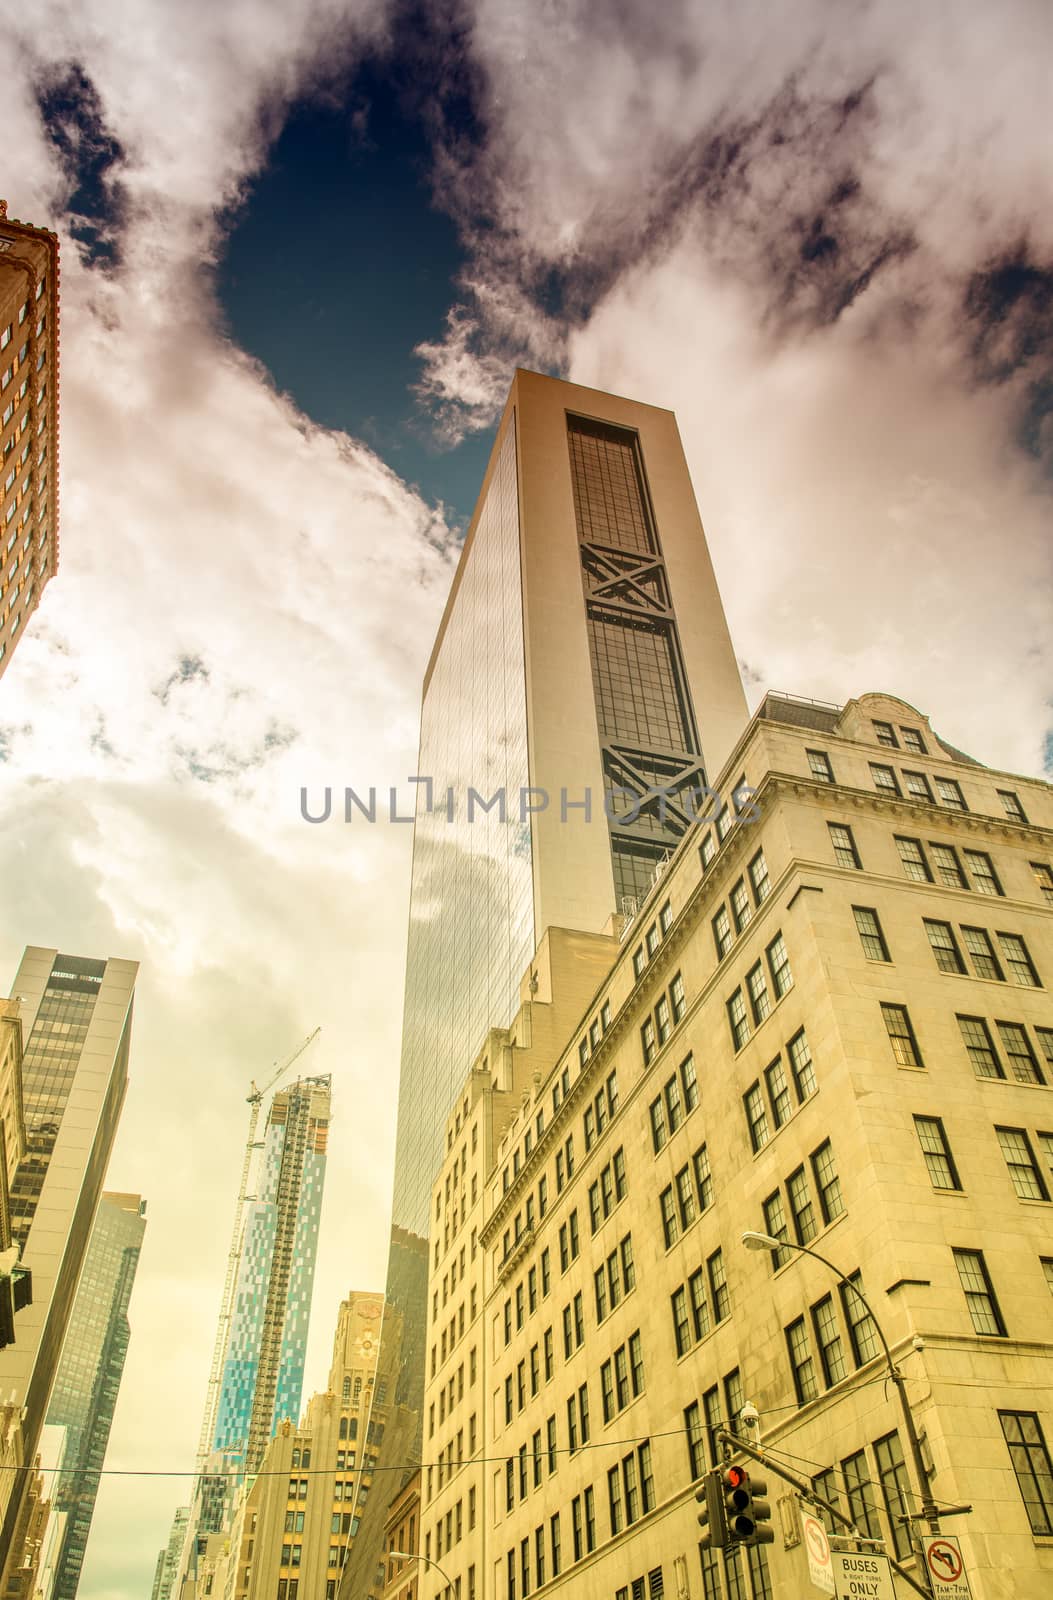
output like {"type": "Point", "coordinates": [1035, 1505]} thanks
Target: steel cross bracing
{"type": "Point", "coordinates": [226, 1305]}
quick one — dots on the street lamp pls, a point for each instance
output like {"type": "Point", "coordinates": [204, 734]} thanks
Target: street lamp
{"type": "Point", "coordinates": [412, 1555]}
{"type": "Point", "coordinates": [764, 1241]}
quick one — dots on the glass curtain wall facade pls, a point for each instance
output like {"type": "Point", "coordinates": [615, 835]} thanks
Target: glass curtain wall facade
{"type": "Point", "coordinates": [262, 1377]}
{"type": "Point", "coordinates": [78, 1011]}
{"type": "Point", "coordinates": [644, 715]}
{"type": "Point", "coordinates": [89, 1376]}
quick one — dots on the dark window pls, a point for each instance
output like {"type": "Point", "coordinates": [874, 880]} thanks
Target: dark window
{"type": "Point", "coordinates": [1019, 962]}
{"type": "Point", "coordinates": [976, 1036]}
{"type": "Point", "coordinates": [779, 966]}
{"type": "Point", "coordinates": [912, 740]}
{"type": "Point", "coordinates": [819, 765]}
{"type": "Point", "coordinates": [1044, 878]}
{"type": "Point", "coordinates": [738, 1020]}
{"type": "Point", "coordinates": [917, 786]}
{"type": "Point", "coordinates": [944, 946]}
{"type": "Point", "coordinates": [862, 1331]}
{"type": "Point", "coordinates": [756, 1116]}
{"type": "Point", "coordinates": [985, 878]}
{"type": "Point", "coordinates": [801, 1364]}
{"type": "Point", "coordinates": [845, 852]}
{"type": "Point", "coordinates": [1031, 1464]}
{"type": "Point", "coordinates": [979, 1292]}
{"type": "Point", "coordinates": [870, 934]}
{"type": "Point", "coordinates": [1019, 1053]}
{"type": "Point", "coordinates": [901, 1036]}
{"type": "Point", "coordinates": [949, 794]}
{"type": "Point", "coordinates": [913, 858]}
{"type": "Point", "coordinates": [884, 779]}
{"type": "Point", "coordinates": [937, 1152]}
{"type": "Point", "coordinates": [802, 1210]}
{"type": "Point", "coordinates": [828, 1339]}
{"type": "Point", "coordinates": [895, 1490]}
{"type": "Point", "coordinates": [759, 879]}
{"type": "Point", "coordinates": [827, 1182]}
{"type": "Point", "coordinates": [723, 938]}
{"type": "Point", "coordinates": [1023, 1168]}
{"type": "Point", "coordinates": [778, 1092]}
{"type": "Point", "coordinates": [977, 942]}
{"type": "Point", "coordinates": [1011, 805]}
{"type": "Point", "coordinates": [885, 734]}
{"type": "Point", "coordinates": [801, 1065]}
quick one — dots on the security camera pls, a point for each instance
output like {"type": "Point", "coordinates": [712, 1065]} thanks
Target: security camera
{"type": "Point", "coordinates": [918, 1342]}
{"type": "Point", "coordinates": [750, 1415]}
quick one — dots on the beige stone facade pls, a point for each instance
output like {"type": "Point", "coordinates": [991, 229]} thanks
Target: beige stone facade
{"type": "Point", "coordinates": [401, 1539]}
{"type": "Point", "coordinates": [829, 1022]}
{"type": "Point", "coordinates": [12, 1117]}
{"type": "Point", "coordinates": [29, 316]}
{"type": "Point", "coordinates": [299, 1520]}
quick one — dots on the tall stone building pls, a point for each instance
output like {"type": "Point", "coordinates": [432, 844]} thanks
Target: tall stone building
{"type": "Point", "coordinates": [827, 1023]}
{"type": "Point", "coordinates": [29, 374]}
{"type": "Point", "coordinates": [298, 1521]}
{"type": "Point", "coordinates": [76, 1014]}
{"type": "Point", "coordinates": [582, 665]}
{"type": "Point", "coordinates": [89, 1378]}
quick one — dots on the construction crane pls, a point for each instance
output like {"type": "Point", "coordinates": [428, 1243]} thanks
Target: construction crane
{"type": "Point", "coordinates": [226, 1310]}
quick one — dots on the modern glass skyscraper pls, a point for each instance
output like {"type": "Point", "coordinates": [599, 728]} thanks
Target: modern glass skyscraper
{"type": "Point", "coordinates": [263, 1371]}
{"type": "Point", "coordinates": [89, 1376]}
{"type": "Point", "coordinates": [582, 684]}
{"type": "Point", "coordinates": [76, 1017]}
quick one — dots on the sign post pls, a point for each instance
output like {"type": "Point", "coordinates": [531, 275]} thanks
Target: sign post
{"type": "Point", "coordinates": [862, 1576]}
{"type": "Point", "coordinates": [945, 1567]}
{"type": "Point", "coordinates": [817, 1549]}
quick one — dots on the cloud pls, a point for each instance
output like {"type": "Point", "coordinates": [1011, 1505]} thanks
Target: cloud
{"type": "Point", "coordinates": [823, 239]}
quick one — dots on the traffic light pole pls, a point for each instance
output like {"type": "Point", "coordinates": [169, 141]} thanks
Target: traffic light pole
{"type": "Point", "coordinates": [805, 1489]}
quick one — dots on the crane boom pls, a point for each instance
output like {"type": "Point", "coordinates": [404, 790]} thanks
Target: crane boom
{"type": "Point", "coordinates": [226, 1308]}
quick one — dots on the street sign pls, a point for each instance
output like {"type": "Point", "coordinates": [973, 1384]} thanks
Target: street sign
{"type": "Point", "coordinates": [859, 1576]}
{"type": "Point", "coordinates": [946, 1569]}
{"type": "Point", "coordinates": [817, 1549]}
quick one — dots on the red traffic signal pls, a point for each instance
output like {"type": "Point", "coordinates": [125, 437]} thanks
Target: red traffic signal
{"type": "Point", "coordinates": [746, 1511]}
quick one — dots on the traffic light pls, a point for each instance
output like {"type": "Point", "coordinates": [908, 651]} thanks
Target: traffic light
{"type": "Point", "coordinates": [714, 1533]}
{"type": "Point", "coordinates": [747, 1512]}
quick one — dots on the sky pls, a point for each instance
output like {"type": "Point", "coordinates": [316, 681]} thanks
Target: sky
{"type": "Point", "coordinates": [304, 244]}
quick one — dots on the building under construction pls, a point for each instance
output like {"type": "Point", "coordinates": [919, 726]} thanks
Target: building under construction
{"type": "Point", "coordinates": [261, 1337]}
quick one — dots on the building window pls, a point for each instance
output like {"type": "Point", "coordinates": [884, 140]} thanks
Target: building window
{"type": "Point", "coordinates": [979, 1293]}
{"type": "Point", "coordinates": [1017, 959]}
{"type": "Point", "coordinates": [801, 1364]}
{"type": "Point", "coordinates": [737, 1019]}
{"type": "Point", "coordinates": [775, 1227]}
{"type": "Point", "coordinates": [802, 1210]}
{"type": "Point", "coordinates": [1044, 878]}
{"type": "Point", "coordinates": [759, 879]}
{"type": "Point", "coordinates": [1019, 1053]}
{"type": "Point", "coordinates": [639, 962]}
{"type": "Point", "coordinates": [895, 1490]}
{"type": "Point", "coordinates": [870, 935]}
{"type": "Point", "coordinates": [917, 786]}
{"type": "Point", "coordinates": [828, 1339]}
{"type": "Point", "coordinates": [723, 938]}
{"type": "Point", "coordinates": [1011, 805]}
{"type": "Point", "coordinates": [985, 878]}
{"type": "Point", "coordinates": [944, 946]}
{"type": "Point", "coordinates": [912, 740]}
{"type": "Point", "coordinates": [884, 779]}
{"type": "Point", "coordinates": [741, 909]}
{"type": "Point", "coordinates": [976, 1037]}
{"type": "Point", "coordinates": [1023, 1168]}
{"type": "Point", "coordinates": [844, 845]}
{"type": "Point", "coordinates": [756, 1116]}
{"type": "Point", "coordinates": [707, 850]}
{"type": "Point", "coordinates": [950, 794]}
{"type": "Point", "coordinates": [862, 1332]}
{"type": "Point", "coordinates": [885, 734]}
{"type": "Point", "coordinates": [827, 1182]}
{"type": "Point", "coordinates": [649, 1041]}
{"type": "Point", "coordinates": [778, 1092]}
{"type": "Point", "coordinates": [719, 1292]}
{"type": "Point", "coordinates": [948, 867]}
{"type": "Point", "coordinates": [937, 1152]}
{"type": "Point", "coordinates": [757, 988]}
{"type": "Point", "coordinates": [912, 856]}
{"type": "Point", "coordinates": [981, 953]}
{"type": "Point", "coordinates": [779, 966]}
{"type": "Point", "coordinates": [1031, 1464]}
{"type": "Point", "coordinates": [801, 1065]}
{"type": "Point", "coordinates": [819, 765]}
{"type": "Point", "coordinates": [696, 1440]}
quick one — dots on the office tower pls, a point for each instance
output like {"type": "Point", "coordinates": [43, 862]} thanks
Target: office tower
{"type": "Point", "coordinates": [581, 687]}
{"type": "Point", "coordinates": [16, 1282]}
{"type": "Point", "coordinates": [167, 1569]}
{"type": "Point", "coordinates": [29, 372]}
{"type": "Point", "coordinates": [89, 1377]}
{"type": "Point", "coordinates": [300, 1518]}
{"type": "Point", "coordinates": [829, 1025]}
{"type": "Point", "coordinates": [76, 1017]}
{"type": "Point", "coordinates": [401, 1528]}
{"type": "Point", "coordinates": [263, 1370]}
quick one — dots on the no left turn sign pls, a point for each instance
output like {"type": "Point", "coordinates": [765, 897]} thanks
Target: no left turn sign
{"type": "Point", "coordinates": [943, 1559]}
